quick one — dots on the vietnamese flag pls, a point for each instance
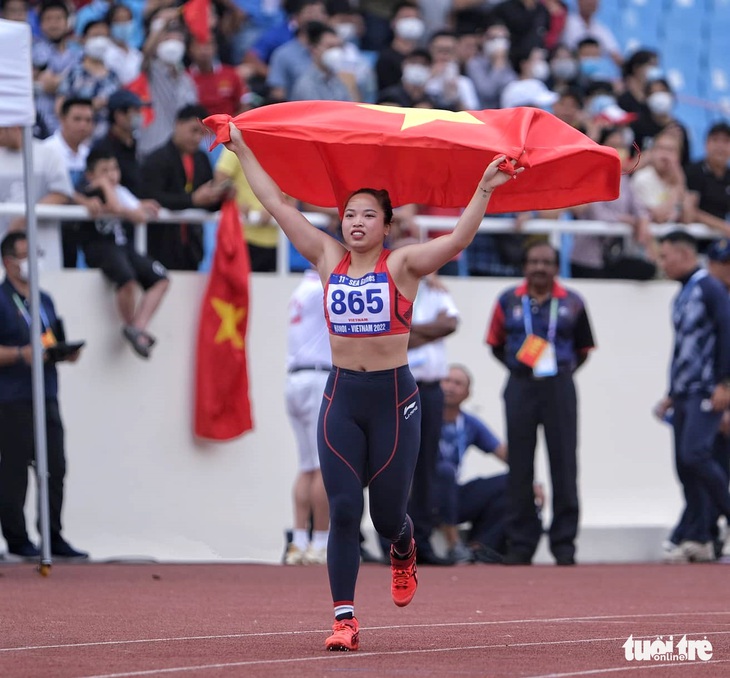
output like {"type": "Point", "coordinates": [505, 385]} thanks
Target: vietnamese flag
{"type": "Point", "coordinates": [222, 405]}
{"type": "Point", "coordinates": [322, 151]}
{"type": "Point", "coordinates": [196, 15]}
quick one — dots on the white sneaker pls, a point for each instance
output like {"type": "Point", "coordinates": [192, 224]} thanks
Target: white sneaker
{"type": "Point", "coordinates": [294, 555]}
{"type": "Point", "coordinates": [314, 556]}
{"type": "Point", "coordinates": [673, 554]}
{"type": "Point", "coordinates": [699, 552]}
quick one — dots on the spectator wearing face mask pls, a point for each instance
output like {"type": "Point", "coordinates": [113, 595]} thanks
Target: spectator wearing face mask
{"type": "Point", "coordinates": [411, 90]}
{"type": "Point", "coordinates": [491, 71]}
{"type": "Point", "coordinates": [657, 115]}
{"type": "Point", "coordinates": [53, 55]}
{"type": "Point", "coordinates": [348, 24]}
{"type": "Point", "coordinates": [447, 87]}
{"type": "Point", "coordinates": [163, 84]}
{"type": "Point", "coordinates": [321, 80]}
{"type": "Point", "coordinates": [125, 122]}
{"type": "Point", "coordinates": [583, 24]}
{"type": "Point", "coordinates": [593, 66]}
{"type": "Point", "coordinates": [408, 30]}
{"type": "Point", "coordinates": [122, 57]}
{"type": "Point", "coordinates": [641, 67]}
{"type": "Point", "coordinates": [563, 69]}
{"type": "Point", "coordinates": [91, 78]}
{"type": "Point", "coordinates": [97, 10]}
{"type": "Point", "coordinates": [529, 89]}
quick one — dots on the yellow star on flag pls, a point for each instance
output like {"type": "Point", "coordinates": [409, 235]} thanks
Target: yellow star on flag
{"type": "Point", "coordinates": [230, 316]}
{"type": "Point", "coordinates": [413, 117]}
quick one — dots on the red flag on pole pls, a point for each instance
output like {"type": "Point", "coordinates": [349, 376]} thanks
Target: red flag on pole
{"type": "Point", "coordinates": [321, 151]}
{"type": "Point", "coordinates": [222, 405]}
{"type": "Point", "coordinates": [196, 15]}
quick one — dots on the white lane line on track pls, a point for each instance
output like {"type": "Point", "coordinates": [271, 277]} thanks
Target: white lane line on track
{"type": "Point", "coordinates": [634, 667]}
{"type": "Point", "coordinates": [262, 634]}
{"type": "Point", "coordinates": [359, 655]}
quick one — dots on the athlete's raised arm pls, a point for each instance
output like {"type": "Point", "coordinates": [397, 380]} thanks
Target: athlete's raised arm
{"type": "Point", "coordinates": [423, 258]}
{"type": "Point", "coordinates": [307, 238]}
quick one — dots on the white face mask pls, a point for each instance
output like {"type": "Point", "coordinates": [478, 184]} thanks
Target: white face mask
{"type": "Point", "coordinates": [23, 269]}
{"type": "Point", "coordinates": [660, 103]}
{"type": "Point", "coordinates": [171, 52]}
{"type": "Point", "coordinates": [496, 46]}
{"type": "Point", "coordinates": [410, 28]}
{"type": "Point", "coordinates": [416, 75]}
{"type": "Point", "coordinates": [347, 32]}
{"type": "Point", "coordinates": [95, 47]}
{"type": "Point", "coordinates": [135, 122]}
{"type": "Point", "coordinates": [540, 70]}
{"type": "Point", "coordinates": [332, 58]}
{"type": "Point", "coordinates": [564, 68]}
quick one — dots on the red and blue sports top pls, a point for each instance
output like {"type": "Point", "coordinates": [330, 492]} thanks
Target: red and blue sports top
{"type": "Point", "coordinates": [370, 306]}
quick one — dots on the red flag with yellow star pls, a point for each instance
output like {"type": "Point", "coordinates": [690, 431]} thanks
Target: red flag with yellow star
{"type": "Point", "coordinates": [321, 151]}
{"type": "Point", "coordinates": [222, 405]}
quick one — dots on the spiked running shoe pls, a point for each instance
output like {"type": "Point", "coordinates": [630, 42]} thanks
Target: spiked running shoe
{"type": "Point", "coordinates": [345, 636]}
{"type": "Point", "coordinates": [405, 578]}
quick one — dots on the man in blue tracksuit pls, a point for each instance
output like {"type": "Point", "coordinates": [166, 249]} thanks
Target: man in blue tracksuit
{"type": "Point", "coordinates": [699, 389]}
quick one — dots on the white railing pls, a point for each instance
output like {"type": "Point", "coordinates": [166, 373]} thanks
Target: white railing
{"type": "Point", "coordinates": [426, 224]}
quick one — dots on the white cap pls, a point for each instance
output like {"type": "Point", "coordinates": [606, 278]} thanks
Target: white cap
{"type": "Point", "coordinates": [529, 92]}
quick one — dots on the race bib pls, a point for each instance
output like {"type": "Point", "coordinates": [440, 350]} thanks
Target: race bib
{"type": "Point", "coordinates": [359, 305]}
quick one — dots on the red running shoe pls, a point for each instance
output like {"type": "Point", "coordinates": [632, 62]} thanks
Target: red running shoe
{"type": "Point", "coordinates": [345, 636]}
{"type": "Point", "coordinates": [405, 578]}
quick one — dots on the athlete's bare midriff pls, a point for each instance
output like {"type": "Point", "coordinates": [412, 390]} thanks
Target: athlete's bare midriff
{"type": "Point", "coordinates": [369, 354]}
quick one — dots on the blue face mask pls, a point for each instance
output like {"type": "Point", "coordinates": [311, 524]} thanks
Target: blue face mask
{"type": "Point", "coordinates": [599, 103]}
{"type": "Point", "coordinates": [590, 66]}
{"type": "Point", "coordinates": [123, 31]}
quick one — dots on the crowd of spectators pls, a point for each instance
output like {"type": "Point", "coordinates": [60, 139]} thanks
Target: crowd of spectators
{"type": "Point", "coordinates": [137, 65]}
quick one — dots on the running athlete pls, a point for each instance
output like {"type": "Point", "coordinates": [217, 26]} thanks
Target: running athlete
{"type": "Point", "coordinates": [369, 423]}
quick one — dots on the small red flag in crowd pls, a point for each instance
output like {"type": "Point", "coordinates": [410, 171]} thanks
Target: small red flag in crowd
{"type": "Point", "coordinates": [222, 404]}
{"type": "Point", "coordinates": [196, 15]}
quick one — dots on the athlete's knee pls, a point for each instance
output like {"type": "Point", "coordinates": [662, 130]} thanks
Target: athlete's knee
{"type": "Point", "coordinates": [388, 526]}
{"type": "Point", "coordinates": [345, 512]}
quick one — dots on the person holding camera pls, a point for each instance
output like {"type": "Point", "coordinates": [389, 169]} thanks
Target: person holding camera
{"type": "Point", "coordinates": [17, 447]}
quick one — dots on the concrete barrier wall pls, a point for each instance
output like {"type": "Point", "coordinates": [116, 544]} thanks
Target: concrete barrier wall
{"type": "Point", "coordinates": [139, 485]}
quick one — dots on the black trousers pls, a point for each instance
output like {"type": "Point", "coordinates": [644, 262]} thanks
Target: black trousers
{"type": "Point", "coordinates": [422, 506]}
{"type": "Point", "coordinates": [552, 404]}
{"type": "Point", "coordinates": [17, 453]}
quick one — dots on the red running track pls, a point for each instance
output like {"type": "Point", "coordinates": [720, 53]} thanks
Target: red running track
{"type": "Point", "coordinates": [112, 620]}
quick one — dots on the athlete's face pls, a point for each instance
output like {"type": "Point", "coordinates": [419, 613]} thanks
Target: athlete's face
{"type": "Point", "coordinates": [363, 223]}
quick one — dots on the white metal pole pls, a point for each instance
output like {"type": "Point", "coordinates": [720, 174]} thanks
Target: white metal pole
{"type": "Point", "coordinates": [39, 391]}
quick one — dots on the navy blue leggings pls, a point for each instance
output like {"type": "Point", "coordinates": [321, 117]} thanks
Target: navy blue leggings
{"type": "Point", "coordinates": [368, 435]}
